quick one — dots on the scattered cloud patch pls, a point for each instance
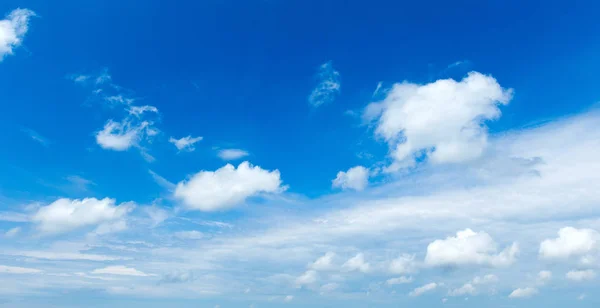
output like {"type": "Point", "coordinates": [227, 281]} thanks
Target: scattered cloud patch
{"type": "Point", "coordinates": [469, 248]}
{"type": "Point", "coordinates": [399, 280]}
{"type": "Point", "coordinates": [544, 277]}
{"type": "Point", "coordinates": [423, 289]}
{"type": "Point", "coordinates": [357, 263]}
{"type": "Point", "coordinates": [178, 277]}
{"type": "Point", "coordinates": [404, 264]}
{"type": "Point", "coordinates": [139, 110]}
{"type": "Point", "coordinates": [466, 289]}
{"type": "Point", "coordinates": [18, 270]}
{"type": "Point", "coordinates": [443, 120]}
{"type": "Point", "coordinates": [328, 87]}
{"type": "Point", "coordinates": [13, 29]}
{"type": "Point", "coordinates": [226, 187]}
{"type": "Point", "coordinates": [308, 278]}
{"type": "Point", "coordinates": [571, 242]}
{"type": "Point", "coordinates": [581, 275]}
{"type": "Point", "coordinates": [189, 235]}
{"type": "Point", "coordinates": [232, 154]}
{"type": "Point", "coordinates": [120, 136]}
{"type": "Point", "coordinates": [36, 137]}
{"type": "Point", "coordinates": [185, 143]}
{"type": "Point", "coordinates": [324, 263]}
{"type": "Point", "coordinates": [523, 292]}
{"type": "Point", "coordinates": [356, 178]}
{"type": "Point", "coordinates": [119, 270]}
{"type": "Point", "coordinates": [12, 232]}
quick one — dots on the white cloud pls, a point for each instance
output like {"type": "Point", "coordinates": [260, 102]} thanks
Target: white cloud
{"type": "Point", "coordinates": [139, 110]}
{"type": "Point", "coordinates": [232, 154]}
{"type": "Point", "coordinates": [119, 270]}
{"type": "Point", "coordinates": [288, 298]}
{"type": "Point", "coordinates": [423, 289]}
{"type": "Point", "coordinates": [399, 280]}
{"type": "Point", "coordinates": [328, 87]}
{"type": "Point", "coordinates": [308, 278]}
{"type": "Point", "coordinates": [18, 270]}
{"type": "Point", "coordinates": [443, 120]}
{"type": "Point", "coordinates": [12, 232]}
{"type": "Point", "coordinates": [120, 136]}
{"type": "Point", "coordinates": [581, 297]}
{"type": "Point", "coordinates": [356, 178]}
{"type": "Point", "coordinates": [357, 263]}
{"type": "Point", "coordinates": [329, 287]}
{"type": "Point", "coordinates": [404, 264]}
{"type": "Point", "coordinates": [487, 279]}
{"type": "Point", "coordinates": [189, 235]}
{"type": "Point", "coordinates": [466, 289]}
{"type": "Point", "coordinates": [544, 277]}
{"type": "Point", "coordinates": [64, 214]}
{"type": "Point", "coordinates": [227, 186]}
{"type": "Point", "coordinates": [13, 30]}
{"type": "Point", "coordinates": [324, 263]}
{"type": "Point", "coordinates": [523, 292]}
{"type": "Point", "coordinates": [571, 242]}
{"type": "Point", "coordinates": [581, 275]}
{"type": "Point", "coordinates": [185, 143]}
{"type": "Point", "coordinates": [469, 248]}
{"type": "Point", "coordinates": [64, 256]}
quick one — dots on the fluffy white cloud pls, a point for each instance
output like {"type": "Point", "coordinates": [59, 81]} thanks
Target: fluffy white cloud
{"type": "Point", "coordinates": [13, 30]}
{"type": "Point", "coordinates": [544, 276]}
{"type": "Point", "coordinates": [357, 263]}
{"type": "Point", "coordinates": [308, 278]}
{"type": "Point", "coordinates": [405, 264]}
{"type": "Point", "coordinates": [469, 248]}
{"type": "Point", "coordinates": [227, 186]}
{"type": "Point", "coordinates": [324, 263]}
{"type": "Point", "coordinates": [328, 87]}
{"type": "Point", "coordinates": [466, 289]}
{"type": "Point", "coordinates": [120, 136]}
{"type": "Point", "coordinates": [443, 120]}
{"type": "Point", "coordinates": [119, 270]}
{"type": "Point", "coordinates": [423, 289]}
{"type": "Point", "coordinates": [399, 280]}
{"type": "Point", "coordinates": [185, 143]}
{"type": "Point", "coordinates": [523, 292]}
{"type": "Point", "coordinates": [18, 270]}
{"type": "Point", "coordinates": [232, 154]}
{"type": "Point", "coordinates": [66, 214]}
{"type": "Point", "coordinates": [581, 275]}
{"type": "Point", "coordinates": [356, 178]}
{"type": "Point", "coordinates": [571, 242]}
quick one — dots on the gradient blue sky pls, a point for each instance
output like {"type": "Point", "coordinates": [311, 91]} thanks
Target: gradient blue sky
{"type": "Point", "coordinates": [338, 153]}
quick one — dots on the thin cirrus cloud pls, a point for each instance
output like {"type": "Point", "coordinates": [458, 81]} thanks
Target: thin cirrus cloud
{"type": "Point", "coordinates": [443, 119]}
{"type": "Point", "coordinates": [186, 143]}
{"type": "Point", "coordinates": [232, 154]}
{"type": "Point", "coordinates": [328, 87]}
{"type": "Point", "coordinates": [120, 270]}
{"type": "Point", "coordinates": [13, 29]}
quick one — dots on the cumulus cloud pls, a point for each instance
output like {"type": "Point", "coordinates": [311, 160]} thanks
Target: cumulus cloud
{"type": "Point", "coordinates": [571, 242]}
{"type": "Point", "coordinates": [444, 120]}
{"type": "Point", "coordinates": [119, 270]}
{"type": "Point", "coordinates": [324, 263]}
{"type": "Point", "coordinates": [65, 214]}
{"type": "Point", "coordinates": [466, 289]}
{"type": "Point", "coordinates": [404, 264]}
{"type": "Point", "coordinates": [423, 289]}
{"type": "Point", "coordinates": [232, 154]}
{"type": "Point", "coordinates": [226, 187]}
{"type": "Point", "coordinates": [328, 87]}
{"type": "Point", "coordinates": [308, 278]}
{"type": "Point", "coordinates": [581, 275]}
{"type": "Point", "coordinates": [185, 143]}
{"type": "Point", "coordinates": [356, 178]}
{"type": "Point", "coordinates": [523, 292]}
{"type": "Point", "coordinates": [13, 29]}
{"type": "Point", "coordinates": [544, 277]}
{"type": "Point", "coordinates": [120, 136]}
{"type": "Point", "coordinates": [357, 263]}
{"type": "Point", "coordinates": [469, 248]}
{"type": "Point", "coordinates": [18, 270]}
{"type": "Point", "coordinates": [399, 280]}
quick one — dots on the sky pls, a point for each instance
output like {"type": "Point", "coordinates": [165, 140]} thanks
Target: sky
{"type": "Point", "coordinates": [299, 153]}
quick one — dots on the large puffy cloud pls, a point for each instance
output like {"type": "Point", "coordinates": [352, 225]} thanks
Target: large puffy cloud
{"type": "Point", "coordinates": [571, 242]}
{"type": "Point", "coordinates": [227, 186]}
{"type": "Point", "coordinates": [356, 178]}
{"type": "Point", "coordinates": [469, 248]}
{"type": "Point", "coordinates": [328, 87]}
{"type": "Point", "coordinates": [444, 119]}
{"type": "Point", "coordinates": [66, 214]}
{"type": "Point", "coordinates": [13, 30]}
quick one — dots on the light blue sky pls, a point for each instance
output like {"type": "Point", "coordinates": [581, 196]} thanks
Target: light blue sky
{"type": "Point", "coordinates": [299, 153]}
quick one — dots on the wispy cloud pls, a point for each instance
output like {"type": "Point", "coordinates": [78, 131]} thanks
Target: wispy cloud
{"type": "Point", "coordinates": [36, 136]}
{"type": "Point", "coordinates": [329, 85]}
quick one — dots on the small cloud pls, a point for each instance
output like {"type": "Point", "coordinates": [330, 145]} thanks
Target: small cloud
{"type": "Point", "coordinates": [523, 292]}
{"type": "Point", "coordinates": [581, 275]}
{"type": "Point", "coordinates": [185, 143]}
{"type": "Point", "coordinates": [79, 183]}
{"type": "Point", "coordinates": [356, 178]}
{"type": "Point", "coordinates": [399, 280]}
{"type": "Point", "coordinates": [232, 154]}
{"type": "Point", "coordinates": [36, 137]}
{"type": "Point", "coordinates": [139, 110]}
{"type": "Point", "coordinates": [12, 232]}
{"type": "Point", "coordinates": [177, 277]}
{"type": "Point", "coordinates": [288, 298]}
{"type": "Point", "coordinates": [166, 184]}
{"type": "Point", "coordinates": [189, 235]}
{"type": "Point", "coordinates": [18, 270]}
{"type": "Point", "coordinates": [328, 87]}
{"type": "Point", "coordinates": [423, 289]}
{"type": "Point", "coordinates": [120, 270]}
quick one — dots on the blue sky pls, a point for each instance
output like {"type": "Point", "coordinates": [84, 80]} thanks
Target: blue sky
{"type": "Point", "coordinates": [295, 153]}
